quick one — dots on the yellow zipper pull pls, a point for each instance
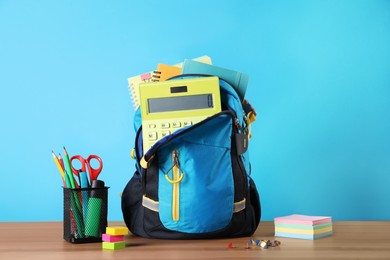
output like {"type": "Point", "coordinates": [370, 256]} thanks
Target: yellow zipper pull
{"type": "Point", "coordinates": [177, 178]}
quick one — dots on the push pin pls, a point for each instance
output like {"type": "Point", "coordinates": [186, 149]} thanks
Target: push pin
{"type": "Point", "coordinates": [230, 245]}
{"type": "Point", "coordinates": [253, 242]}
{"type": "Point", "coordinates": [264, 244]}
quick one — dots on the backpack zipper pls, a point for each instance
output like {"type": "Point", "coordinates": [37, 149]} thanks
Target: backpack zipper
{"type": "Point", "coordinates": [239, 129]}
{"type": "Point", "coordinates": [150, 153]}
{"type": "Point", "coordinates": [175, 181]}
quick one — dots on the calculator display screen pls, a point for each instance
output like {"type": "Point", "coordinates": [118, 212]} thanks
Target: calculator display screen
{"type": "Point", "coordinates": [189, 102]}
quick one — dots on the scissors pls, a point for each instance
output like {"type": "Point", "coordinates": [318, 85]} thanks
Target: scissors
{"type": "Point", "coordinates": [86, 163]}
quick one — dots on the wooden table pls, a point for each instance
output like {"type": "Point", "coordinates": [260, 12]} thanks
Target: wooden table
{"type": "Point", "coordinates": [350, 240]}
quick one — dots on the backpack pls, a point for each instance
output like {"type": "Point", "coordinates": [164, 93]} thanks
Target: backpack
{"type": "Point", "coordinates": [195, 183]}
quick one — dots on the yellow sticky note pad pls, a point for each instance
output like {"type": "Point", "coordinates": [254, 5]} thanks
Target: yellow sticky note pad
{"type": "Point", "coordinates": [113, 245]}
{"type": "Point", "coordinates": [117, 231]}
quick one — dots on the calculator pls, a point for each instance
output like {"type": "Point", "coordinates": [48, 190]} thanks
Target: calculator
{"type": "Point", "coordinates": [167, 106]}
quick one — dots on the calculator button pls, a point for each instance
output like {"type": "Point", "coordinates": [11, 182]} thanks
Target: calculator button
{"type": "Point", "coordinates": [176, 124]}
{"type": "Point", "coordinates": [165, 133]}
{"type": "Point", "coordinates": [152, 126]}
{"type": "Point", "coordinates": [165, 125]}
{"type": "Point", "coordinates": [187, 123]}
{"type": "Point", "coordinates": [152, 136]}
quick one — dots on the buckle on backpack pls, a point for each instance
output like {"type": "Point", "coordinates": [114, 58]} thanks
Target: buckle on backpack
{"type": "Point", "coordinates": [144, 163]}
{"type": "Point", "coordinates": [250, 115]}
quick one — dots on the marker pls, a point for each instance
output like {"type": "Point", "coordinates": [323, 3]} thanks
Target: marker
{"type": "Point", "coordinates": [84, 184]}
{"type": "Point", "coordinates": [92, 223]}
{"type": "Point", "coordinates": [55, 158]}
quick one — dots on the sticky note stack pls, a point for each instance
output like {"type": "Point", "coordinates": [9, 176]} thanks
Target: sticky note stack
{"type": "Point", "coordinates": [302, 226]}
{"type": "Point", "coordinates": [114, 238]}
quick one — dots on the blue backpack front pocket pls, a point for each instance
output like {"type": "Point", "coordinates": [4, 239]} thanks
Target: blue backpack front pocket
{"type": "Point", "coordinates": [196, 186]}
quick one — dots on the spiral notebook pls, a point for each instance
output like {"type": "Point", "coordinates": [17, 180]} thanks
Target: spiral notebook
{"type": "Point", "coordinates": [148, 77]}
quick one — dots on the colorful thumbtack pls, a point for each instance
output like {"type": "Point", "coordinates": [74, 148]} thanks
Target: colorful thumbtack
{"type": "Point", "coordinates": [264, 244]}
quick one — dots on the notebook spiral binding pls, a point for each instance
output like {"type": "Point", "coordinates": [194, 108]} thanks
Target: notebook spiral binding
{"type": "Point", "coordinates": [156, 76]}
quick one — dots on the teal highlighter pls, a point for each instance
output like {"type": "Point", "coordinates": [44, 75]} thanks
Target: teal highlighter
{"type": "Point", "coordinates": [84, 193]}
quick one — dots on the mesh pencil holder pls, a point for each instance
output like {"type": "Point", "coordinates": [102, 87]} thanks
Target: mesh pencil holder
{"type": "Point", "coordinates": [85, 214]}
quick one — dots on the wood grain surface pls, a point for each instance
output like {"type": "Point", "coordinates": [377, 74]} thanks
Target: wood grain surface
{"type": "Point", "coordinates": [350, 240]}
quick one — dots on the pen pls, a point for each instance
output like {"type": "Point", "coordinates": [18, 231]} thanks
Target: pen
{"type": "Point", "coordinates": [57, 162]}
{"type": "Point", "coordinates": [77, 213]}
{"type": "Point", "coordinates": [73, 223]}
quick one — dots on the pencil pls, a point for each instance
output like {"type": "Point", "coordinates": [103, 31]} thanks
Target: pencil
{"type": "Point", "coordinates": [68, 169]}
{"type": "Point", "coordinates": [61, 161]}
{"type": "Point", "coordinates": [75, 202]}
{"type": "Point", "coordinates": [57, 162]}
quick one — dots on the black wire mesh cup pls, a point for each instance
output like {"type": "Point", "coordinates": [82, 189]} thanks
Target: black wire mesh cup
{"type": "Point", "coordinates": [85, 214]}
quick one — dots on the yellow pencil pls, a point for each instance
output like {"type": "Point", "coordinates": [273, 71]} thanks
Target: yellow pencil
{"type": "Point", "coordinates": [58, 166]}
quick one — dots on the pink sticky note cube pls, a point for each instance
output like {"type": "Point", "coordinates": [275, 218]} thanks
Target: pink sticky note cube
{"type": "Point", "coordinates": [111, 238]}
{"type": "Point", "coordinates": [303, 219]}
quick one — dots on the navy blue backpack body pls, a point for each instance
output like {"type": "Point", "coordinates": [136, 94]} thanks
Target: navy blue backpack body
{"type": "Point", "coordinates": [195, 183]}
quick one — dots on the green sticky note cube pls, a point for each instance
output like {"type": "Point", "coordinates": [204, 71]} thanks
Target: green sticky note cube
{"type": "Point", "coordinates": [113, 245]}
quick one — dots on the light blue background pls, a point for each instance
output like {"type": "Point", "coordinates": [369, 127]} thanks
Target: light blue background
{"type": "Point", "coordinates": [319, 79]}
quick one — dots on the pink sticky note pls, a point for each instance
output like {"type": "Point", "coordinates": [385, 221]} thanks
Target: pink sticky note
{"type": "Point", "coordinates": [111, 238]}
{"type": "Point", "coordinates": [303, 219]}
{"type": "Point", "coordinates": [146, 76]}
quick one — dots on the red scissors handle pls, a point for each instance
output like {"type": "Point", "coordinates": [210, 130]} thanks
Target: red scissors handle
{"type": "Point", "coordinates": [94, 172]}
{"type": "Point", "coordinates": [81, 160]}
